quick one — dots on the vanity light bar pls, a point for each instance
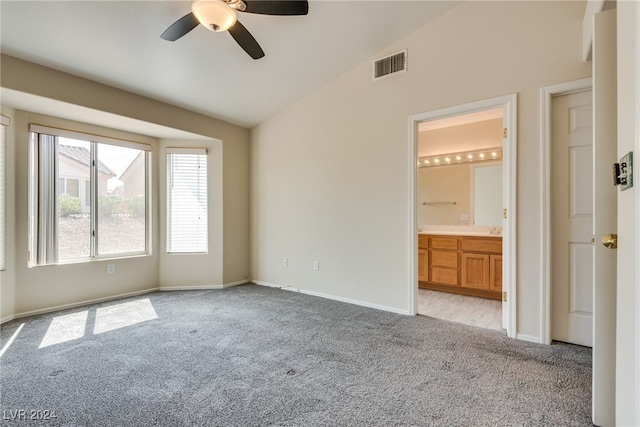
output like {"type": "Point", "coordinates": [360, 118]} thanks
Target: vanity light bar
{"type": "Point", "coordinates": [462, 157]}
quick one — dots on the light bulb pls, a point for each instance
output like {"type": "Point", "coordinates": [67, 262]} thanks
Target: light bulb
{"type": "Point", "coordinates": [214, 15]}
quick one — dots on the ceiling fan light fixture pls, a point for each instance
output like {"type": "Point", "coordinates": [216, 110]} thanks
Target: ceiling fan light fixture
{"type": "Point", "coordinates": [215, 15]}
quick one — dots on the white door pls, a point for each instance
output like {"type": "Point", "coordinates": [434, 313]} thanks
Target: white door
{"type": "Point", "coordinates": [605, 217]}
{"type": "Point", "coordinates": [572, 218]}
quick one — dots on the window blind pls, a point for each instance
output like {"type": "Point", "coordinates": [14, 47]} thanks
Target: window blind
{"type": "Point", "coordinates": [4, 123]}
{"type": "Point", "coordinates": [187, 225]}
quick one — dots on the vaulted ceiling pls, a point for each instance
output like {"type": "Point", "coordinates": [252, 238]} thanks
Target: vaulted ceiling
{"type": "Point", "coordinates": [118, 43]}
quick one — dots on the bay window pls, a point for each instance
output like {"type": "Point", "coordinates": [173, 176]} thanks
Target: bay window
{"type": "Point", "coordinates": [88, 196]}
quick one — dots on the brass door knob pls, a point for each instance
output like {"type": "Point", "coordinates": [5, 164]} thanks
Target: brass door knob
{"type": "Point", "coordinates": [610, 241]}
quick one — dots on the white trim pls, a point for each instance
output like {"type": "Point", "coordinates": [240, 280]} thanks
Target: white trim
{"type": "Point", "coordinates": [82, 303]}
{"type": "Point", "coordinates": [119, 296]}
{"type": "Point", "coordinates": [7, 319]}
{"type": "Point", "coordinates": [5, 121]}
{"type": "Point", "coordinates": [185, 150]}
{"type": "Point", "coordinates": [66, 133]}
{"type": "Point", "coordinates": [637, 197]}
{"type": "Point", "coordinates": [546, 93]}
{"type": "Point", "coordinates": [333, 297]}
{"type": "Point", "coordinates": [202, 287]}
{"type": "Point", "coordinates": [530, 338]}
{"type": "Point", "coordinates": [269, 285]}
{"type": "Point", "coordinates": [509, 158]}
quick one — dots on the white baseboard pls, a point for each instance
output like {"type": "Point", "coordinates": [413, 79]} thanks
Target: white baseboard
{"type": "Point", "coordinates": [201, 287]}
{"type": "Point", "coordinates": [81, 303]}
{"type": "Point", "coordinates": [334, 297]}
{"type": "Point", "coordinates": [530, 338]}
{"type": "Point", "coordinates": [115, 297]}
{"type": "Point", "coordinates": [7, 319]}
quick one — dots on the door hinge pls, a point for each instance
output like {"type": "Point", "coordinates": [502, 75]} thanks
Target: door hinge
{"type": "Point", "coordinates": [504, 296]}
{"type": "Point", "coordinates": [504, 213]}
{"type": "Point", "coordinates": [505, 132]}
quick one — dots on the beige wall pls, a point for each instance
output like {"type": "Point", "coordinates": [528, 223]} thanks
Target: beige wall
{"type": "Point", "coordinates": [467, 137]}
{"type": "Point", "coordinates": [444, 184]}
{"type": "Point", "coordinates": [47, 287]}
{"type": "Point", "coordinates": [330, 173]}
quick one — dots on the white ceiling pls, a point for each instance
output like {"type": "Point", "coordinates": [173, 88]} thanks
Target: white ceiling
{"type": "Point", "coordinates": [118, 43]}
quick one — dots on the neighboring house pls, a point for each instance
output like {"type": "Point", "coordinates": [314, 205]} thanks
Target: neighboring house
{"type": "Point", "coordinates": [133, 177]}
{"type": "Point", "coordinates": [74, 171]}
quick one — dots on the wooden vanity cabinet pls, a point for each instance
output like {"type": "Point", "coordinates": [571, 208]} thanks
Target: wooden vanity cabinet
{"type": "Point", "coordinates": [470, 265]}
{"type": "Point", "coordinates": [444, 260]}
{"type": "Point", "coordinates": [481, 267]}
{"type": "Point", "coordinates": [423, 258]}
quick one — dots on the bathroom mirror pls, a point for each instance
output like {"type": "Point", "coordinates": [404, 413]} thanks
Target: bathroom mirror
{"type": "Point", "coordinates": [487, 195]}
{"type": "Point", "coordinates": [460, 195]}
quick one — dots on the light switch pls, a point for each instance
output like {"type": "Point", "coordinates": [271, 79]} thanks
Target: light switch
{"type": "Point", "coordinates": [626, 171]}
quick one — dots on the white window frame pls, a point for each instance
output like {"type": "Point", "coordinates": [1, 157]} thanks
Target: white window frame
{"type": "Point", "coordinates": [4, 124]}
{"type": "Point", "coordinates": [169, 180]}
{"type": "Point", "coordinates": [38, 257]}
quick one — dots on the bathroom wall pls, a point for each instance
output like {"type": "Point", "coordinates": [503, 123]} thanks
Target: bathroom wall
{"type": "Point", "coordinates": [440, 187]}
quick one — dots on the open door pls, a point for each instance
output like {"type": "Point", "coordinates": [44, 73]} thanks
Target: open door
{"type": "Point", "coordinates": [605, 217]}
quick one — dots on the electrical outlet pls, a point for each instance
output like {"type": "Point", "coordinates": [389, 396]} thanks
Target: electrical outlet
{"type": "Point", "coordinates": [285, 261]}
{"type": "Point", "coordinates": [316, 265]}
{"type": "Point", "coordinates": [111, 268]}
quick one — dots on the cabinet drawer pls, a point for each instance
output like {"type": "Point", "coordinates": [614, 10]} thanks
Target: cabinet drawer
{"type": "Point", "coordinates": [438, 242]}
{"type": "Point", "coordinates": [482, 245]}
{"type": "Point", "coordinates": [423, 241]}
{"type": "Point", "coordinates": [444, 276]}
{"type": "Point", "coordinates": [444, 259]}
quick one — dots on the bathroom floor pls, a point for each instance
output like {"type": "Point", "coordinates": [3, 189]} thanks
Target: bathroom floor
{"type": "Point", "coordinates": [481, 312]}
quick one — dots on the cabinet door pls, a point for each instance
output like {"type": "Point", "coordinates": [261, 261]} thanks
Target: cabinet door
{"type": "Point", "coordinates": [475, 271]}
{"type": "Point", "coordinates": [495, 273]}
{"type": "Point", "coordinates": [423, 265]}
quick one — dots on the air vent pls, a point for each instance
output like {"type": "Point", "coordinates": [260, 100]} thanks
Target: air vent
{"type": "Point", "coordinates": [390, 65]}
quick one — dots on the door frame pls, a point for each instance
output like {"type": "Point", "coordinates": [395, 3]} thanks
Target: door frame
{"type": "Point", "coordinates": [509, 158]}
{"type": "Point", "coordinates": [546, 94]}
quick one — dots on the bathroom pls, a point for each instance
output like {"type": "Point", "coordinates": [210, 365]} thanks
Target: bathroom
{"type": "Point", "coordinates": [459, 213]}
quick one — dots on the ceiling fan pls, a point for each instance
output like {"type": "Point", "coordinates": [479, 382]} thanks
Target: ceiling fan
{"type": "Point", "coordinates": [220, 15]}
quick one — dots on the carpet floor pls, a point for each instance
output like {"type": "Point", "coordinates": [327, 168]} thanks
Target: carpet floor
{"type": "Point", "coordinates": [257, 356]}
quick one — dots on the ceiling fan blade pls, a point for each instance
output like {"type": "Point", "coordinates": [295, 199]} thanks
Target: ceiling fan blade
{"type": "Point", "coordinates": [181, 27]}
{"type": "Point", "coordinates": [246, 40]}
{"type": "Point", "coordinates": [275, 7]}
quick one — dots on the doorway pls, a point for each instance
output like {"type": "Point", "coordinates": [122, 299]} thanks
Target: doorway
{"type": "Point", "coordinates": [488, 267]}
{"type": "Point", "coordinates": [571, 160]}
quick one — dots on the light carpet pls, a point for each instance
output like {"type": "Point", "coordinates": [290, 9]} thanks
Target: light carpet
{"type": "Point", "coordinates": [256, 356]}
